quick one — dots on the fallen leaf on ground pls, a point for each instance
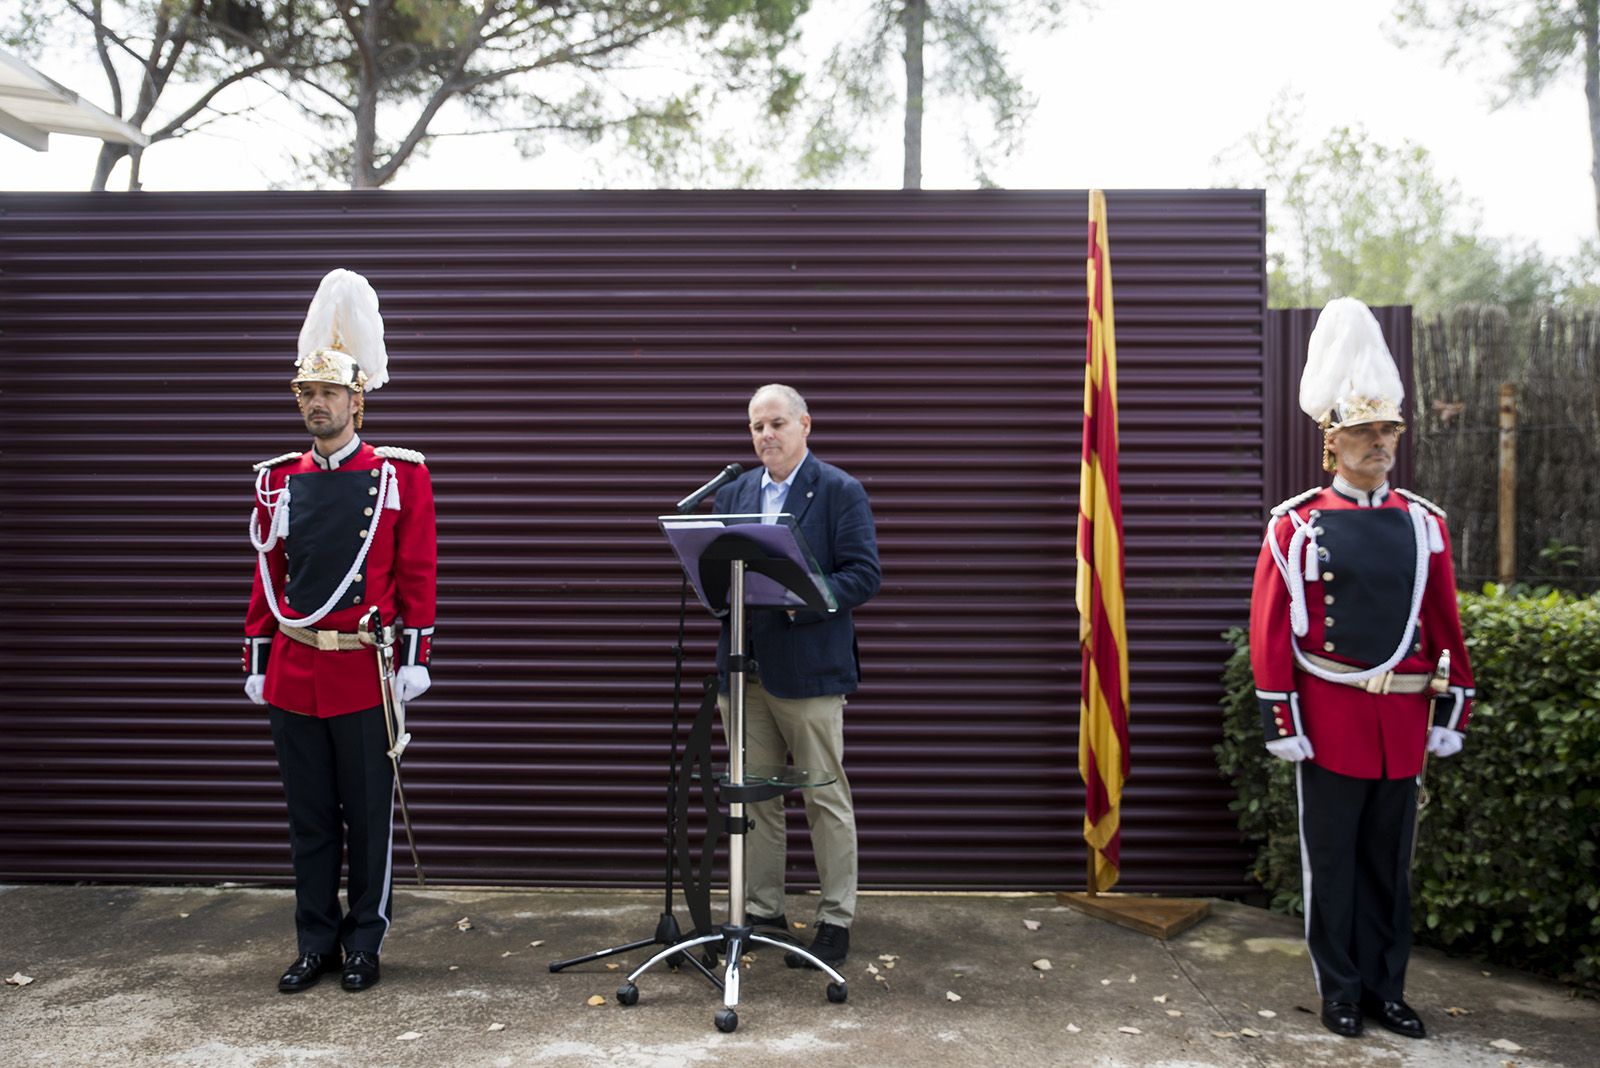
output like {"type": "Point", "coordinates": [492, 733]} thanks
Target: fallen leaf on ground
{"type": "Point", "coordinates": [507, 953]}
{"type": "Point", "coordinates": [1160, 999]}
{"type": "Point", "coordinates": [798, 926]}
{"type": "Point", "coordinates": [19, 980]}
{"type": "Point", "coordinates": [1043, 964]}
{"type": "Point", "coordinates": [455, 967]}
{"type": "Point", "coordinates": [1456, 1010]}
{"type": "Point", "coordinates": [1223, 1034]}
{"type": "Point", "coordinates": [1105, 982]}
{"type": "Point", "coordinates": [951, 995]}
{"type": "Point", "coordinates": [1265, 1014]}
{"type": "Point", "coordinates": [409, 1036]}
{"type": "Point", "coordinates": [881, 979]}
{"type": "Point", "coordinates": [464, 924]}
{"type": "Point", "coordinates": [1174, 1012]}
{"type": "Point", "coordinates": [183, 915]}
{"type": "Point", "coordinates": [1133, 978]}
{"type": "Point", "coordinates": [746, 958]}
{"type": "Point", "coordinates": [889, 965]}
{"type": "Point", "coordinates": [597, 1000]}
{"type": "Point", "coordinates": [872, 969]}
{"type": "Point", "coordinates": [1249, 1032]}
{"type": "Point", "coordinates": [497, 1027]}
{"type": "Point", "coordinates": [537, 942]}
{"type": "Point", "coordinates": [1073, 1029]}
{"type": "Point", "coordinates": [1130, 1030]}
{"type": "Point", "coordinates": [609, 967]}
{"type": "Point", "coordinates": [1032, 925]}
{"type": "Point", "coordinates": [890, 957]}
{"type": "Point", "coordinates": [1506, 1045]}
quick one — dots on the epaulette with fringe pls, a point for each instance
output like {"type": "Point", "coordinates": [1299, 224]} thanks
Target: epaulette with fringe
{"type": "Point", "coordinates": [276, 460]}
{"type": "Point", "coordinates": [1299, 498]}
{"type": "Point", "coordinates": [1420, 499]}
{"type": "Point", "coordinates": [395, 452]}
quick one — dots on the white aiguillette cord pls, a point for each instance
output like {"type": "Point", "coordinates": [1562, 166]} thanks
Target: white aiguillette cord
{"type": "Point", "coordinates": [276, 502]}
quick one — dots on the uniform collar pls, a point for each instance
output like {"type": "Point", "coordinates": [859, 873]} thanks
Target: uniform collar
{"type": "Point", "coordinates": [1362, 498]}
{"type": "Point", "coordinates": [338, 459]}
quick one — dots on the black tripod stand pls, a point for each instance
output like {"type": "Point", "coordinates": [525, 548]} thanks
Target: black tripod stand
{"type": "Point", "coordinates": [696, 890]}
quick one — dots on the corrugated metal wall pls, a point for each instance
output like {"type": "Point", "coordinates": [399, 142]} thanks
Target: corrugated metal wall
{"type": "Point", "coordinates": [571, 363]}
{"type": "Point", "coordinates": [1294, 444]}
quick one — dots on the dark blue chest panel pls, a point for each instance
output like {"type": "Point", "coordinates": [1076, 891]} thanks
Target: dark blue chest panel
{"type": "Point", "coordinates": [1368, 563]}
{"type": "Point", "coordinates": [329, 512]}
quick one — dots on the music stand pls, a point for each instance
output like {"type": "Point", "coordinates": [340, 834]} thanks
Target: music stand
{"type": "Point", "coordinates": [735, 562]}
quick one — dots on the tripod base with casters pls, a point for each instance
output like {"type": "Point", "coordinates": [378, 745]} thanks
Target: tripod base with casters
{"type": "Point", "coordinates": [734, 939]}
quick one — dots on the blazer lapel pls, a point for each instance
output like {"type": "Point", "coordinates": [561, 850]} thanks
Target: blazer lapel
{"type": "Point", "coordinates": [803, 491]}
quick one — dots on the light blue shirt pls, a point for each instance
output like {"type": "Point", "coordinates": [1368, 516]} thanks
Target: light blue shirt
{"type": "Point", "coordinates": [774, 494]}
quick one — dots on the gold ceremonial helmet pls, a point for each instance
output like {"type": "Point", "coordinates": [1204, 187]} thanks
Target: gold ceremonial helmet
{"type": "Point", "coordinates": [1350, 377]}
{"type": "Point", "coordinates": [341, 342]}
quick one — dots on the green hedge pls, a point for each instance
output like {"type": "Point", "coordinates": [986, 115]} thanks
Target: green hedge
{"type": "Point", "coordinates": [1507, 860]}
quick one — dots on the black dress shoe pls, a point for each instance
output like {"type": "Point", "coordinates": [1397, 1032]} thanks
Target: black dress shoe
{"type": "Point", "coordinates": [360, 971]}
{"type": "Point", "coordinates": [779, 921]}
{"type": "Point", "coordinates": [306, 970]}
{"type": "Point", "coordinates": [1395, 1016]}
{"type": "Point", "coordinates": [1342, 1018]}
{"type": "Point", "coordinates": [831, 946]}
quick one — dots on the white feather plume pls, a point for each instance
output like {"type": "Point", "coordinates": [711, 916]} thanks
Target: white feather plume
{"type": "Point", "coordinates": [1347, 359]}
{"type": "Point", "coordinates": [344, 315]}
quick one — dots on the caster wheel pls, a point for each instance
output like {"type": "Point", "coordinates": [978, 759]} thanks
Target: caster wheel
{"type": "Point", "coordinates": [628, 994]}
{"type": "Point", "coordinates": [837, 992]}
{"type": "Point", "coordinates": [727, 1021]}
{"type": "Point", "coordinates": [709, 959]}
{"type": "Point", "coordinates": [676, 961]}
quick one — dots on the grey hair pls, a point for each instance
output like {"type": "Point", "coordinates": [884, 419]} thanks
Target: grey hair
{"type": "Point", "coordinates": [797, 403]}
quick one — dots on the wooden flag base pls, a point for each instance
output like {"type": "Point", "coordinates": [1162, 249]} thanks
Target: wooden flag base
{"type": "Point", "coordinates": [1158, 917]}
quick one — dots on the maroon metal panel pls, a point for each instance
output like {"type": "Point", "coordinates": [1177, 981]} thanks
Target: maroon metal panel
{"type": "Point", "coordinates": [571, 363]}
{"type": "Point", "coordinates": [1294, 444]}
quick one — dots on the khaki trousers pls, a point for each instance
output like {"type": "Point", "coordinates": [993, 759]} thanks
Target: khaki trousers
{"type": "Point", "coordinates": [811, 729]}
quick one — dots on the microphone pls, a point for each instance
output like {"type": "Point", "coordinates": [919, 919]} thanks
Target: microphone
{"type": "Point", "coordinates": [727, 475]}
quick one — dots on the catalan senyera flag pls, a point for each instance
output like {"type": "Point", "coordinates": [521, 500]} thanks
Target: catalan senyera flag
{"type": "Point", "coordinates": [1102, 624]}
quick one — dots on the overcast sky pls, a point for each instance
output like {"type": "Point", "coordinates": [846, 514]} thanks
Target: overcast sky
{"type": "Point", "coordinates": [1139, 94]}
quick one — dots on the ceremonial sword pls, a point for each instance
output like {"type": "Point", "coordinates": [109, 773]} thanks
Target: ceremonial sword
{"type": "Point", "coordinates": [381, 638]}
{"type": "Point", "coordinates": [1436, 686]}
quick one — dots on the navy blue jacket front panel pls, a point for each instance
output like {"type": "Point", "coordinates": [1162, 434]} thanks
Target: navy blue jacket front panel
{"type": "Point", "coordinates": [814, 653]}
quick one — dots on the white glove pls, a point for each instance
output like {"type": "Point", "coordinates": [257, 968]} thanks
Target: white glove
{"type": "Point", "coordinates": [254, 686]}
{"type": "Point", "coordinates": [1295, 748]}
{"type": "Point", "coordinates": [411, 682]}
{"type": "Point", "coordinates": [1444, 742]}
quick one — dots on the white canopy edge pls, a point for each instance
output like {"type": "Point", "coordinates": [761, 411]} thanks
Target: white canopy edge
{"type": "Point", "coordinates": [32, 107]}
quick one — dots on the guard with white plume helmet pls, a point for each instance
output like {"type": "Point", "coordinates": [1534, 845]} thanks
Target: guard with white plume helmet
{"type": "Point", "coordinates": [1361, 671]}
{"type": "Point", "coordinates": [338, 635]}
{"type": "Point", "coordinates": [341, 342]}
{"type": "Point", "coordinates": [1350, 377]}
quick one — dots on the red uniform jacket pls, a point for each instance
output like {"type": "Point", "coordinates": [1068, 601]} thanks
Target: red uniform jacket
{"type": "Point", "coordinates": [328, 518]}
{"type": "Point", "coordinates": [1358, 560]}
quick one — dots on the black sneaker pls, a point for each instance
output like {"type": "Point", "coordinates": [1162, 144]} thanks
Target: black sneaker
{"type": "Point", "coordinates": [831, 946]}
{"type": "Point", "coordinates": [779, 921]}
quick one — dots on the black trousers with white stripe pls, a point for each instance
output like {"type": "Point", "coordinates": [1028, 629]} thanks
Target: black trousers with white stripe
{"type": "Point", "coordinates": [339, 784]}
{"type": "Point", "coordinates": [1355, 850]}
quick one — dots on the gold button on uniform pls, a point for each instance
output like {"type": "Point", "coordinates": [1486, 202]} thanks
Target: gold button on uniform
{"type": "Point", "coordinates": [372, 491]}
{"type": "Point", "coordinates": [363, 532]}
{"type": "Point", "coordinates": [1277, 709]}
{"type": "Point", "coordinates": [1327, 576]}
{"type": "Point", "coordinates": [357, 599]}
{"type": "Point", "coordinates": [1327, 647]}
{"type": "Point", "coordinates": [1327, 621]}
{"type": "Point", "coordinates": [1318, 531]}
{"type": "Point", "coordinates": [1283, 732]}
{"type": "Point", "coordinates": [366, 511]}
{"type": "Point", "coordinates": [373, 472]}
{"type": "Point", "coordinates": [358, 578]}
{"type": "Point", "coordinates": [1327, 598]}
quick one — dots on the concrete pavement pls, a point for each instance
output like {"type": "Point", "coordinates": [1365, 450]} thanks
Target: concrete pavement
{"type": "Point", "coordinates": [135, 976]}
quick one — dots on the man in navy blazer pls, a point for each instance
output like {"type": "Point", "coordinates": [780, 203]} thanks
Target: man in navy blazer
{"type": "Point", "coordinates": [806, 662]}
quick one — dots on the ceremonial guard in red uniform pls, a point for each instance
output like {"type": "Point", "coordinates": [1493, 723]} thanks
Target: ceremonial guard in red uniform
{"type": "Point", "coordinates": [339, 530]}
{"type": "Point", "coordinates": [1360, 668]}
